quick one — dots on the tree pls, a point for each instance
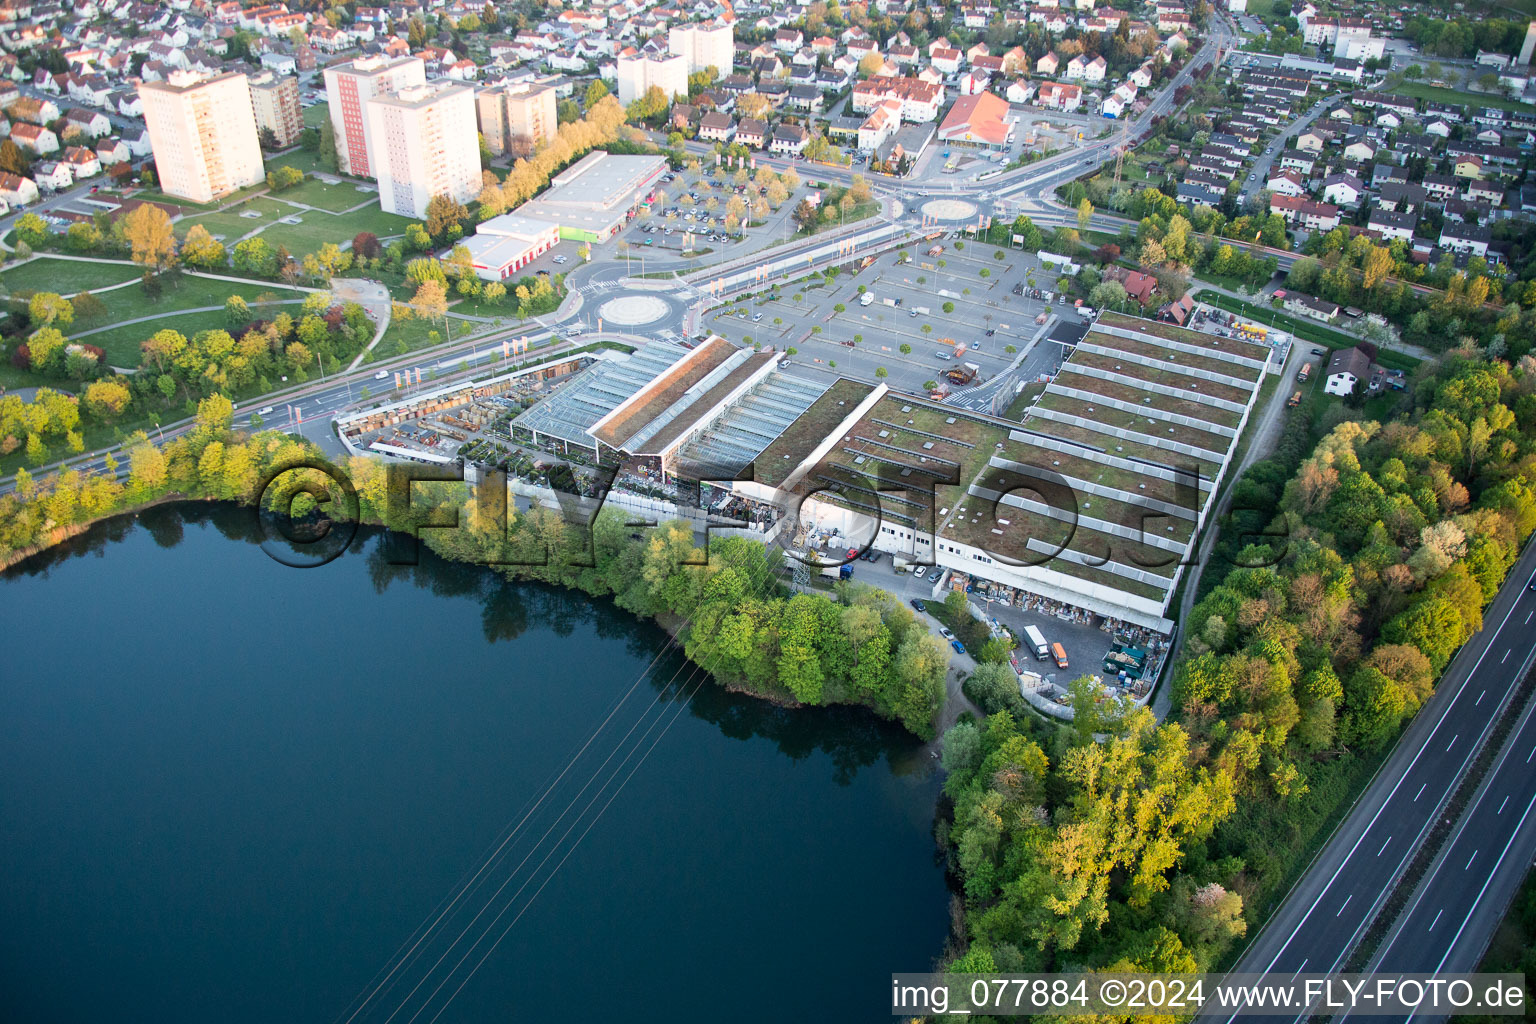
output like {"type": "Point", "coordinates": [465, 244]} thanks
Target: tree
{"type": "Point", "coordinates": [329, 158]}
{"type": "Point", "coordinates": [444, 212]}
{"type": "Point", "coordinates": [256, 257]}
{"type": "Point", "coordinates": [805, 215]}
{"type": "Point", "coordinates": [870, 63]}
{"type": "Point", "coordinates": [201, 250]}
{"type": "Point", "coordinates": [948, 307]}
{"type": "Point", "coordinates": [365, 245]}
{"type": "Point", "coordinates": [236, 311]}
{"type": "Point", "coordinates": [150, 237]}
{"type": "Point", "coordinates": [1084, 214]}
{"type": "Point", "coordinates": [106, 399]}
{"type": "Point", "coordinates": [31, 229]}
{"type": "Point", "coordinates": [1109, 294]}
{"type": "Point", "coordinates": [51, 310]}
{"type": "Point", "coordinates": [431, 300]}
{"type": "Point", "coordinates": [13, 160]}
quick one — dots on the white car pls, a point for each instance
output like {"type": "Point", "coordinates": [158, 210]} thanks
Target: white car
{"type": "Point", "coordinates": [945, 633]}
{"type": "Point", "coordinates": [381, 375]}
{"type": "Point", "coordinates": [920, 572]}
{"type": "Point", "coordinates": [560, 259]}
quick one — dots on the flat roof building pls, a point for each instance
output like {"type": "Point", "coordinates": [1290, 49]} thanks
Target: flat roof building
{"type": "Point", "coordinates": [503, 245]}
{"type": "Point", "coordinates": [422, 142]}
{"type": "Point", "coordinates": [595, 196]}
{"type": "Point", "coordinates": [275, 102]}
{"type": "Point", "coordinates": [348, 87]}
{"type": "Point", "coordinates": [203, 133]}
{"type": "Point", "coordinates": [516, 117]}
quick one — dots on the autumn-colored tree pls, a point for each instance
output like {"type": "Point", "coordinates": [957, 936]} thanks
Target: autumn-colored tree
{"type": "Point", "coordinates": [150, 237]}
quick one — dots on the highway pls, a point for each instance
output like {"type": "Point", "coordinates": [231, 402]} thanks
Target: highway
{"type": "Point", "coordinates": [1330, 909]}
{"type": "Point", "coordinates": [1466, 891]}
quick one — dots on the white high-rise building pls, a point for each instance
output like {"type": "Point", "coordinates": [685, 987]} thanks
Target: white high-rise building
{"type": "Point", "coordinates": [423, 142]}
{"type": "Point", "coordinates": [637, 73]}
{"type": "Point", "coordinates": [704, 45]}
{"type": "Point", "coordinates": [203, 133]}
{"type": "Point", "coordinates": [349, 87]}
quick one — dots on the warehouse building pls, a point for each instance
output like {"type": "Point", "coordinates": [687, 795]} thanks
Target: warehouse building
{"type": "Point", "coordinates": [597, 195]}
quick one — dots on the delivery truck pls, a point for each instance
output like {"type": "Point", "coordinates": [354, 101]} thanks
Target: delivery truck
{"type": "Point", "coordinates": [1037, 643]}
{"type": "Point", "coordinates": [866, 298]}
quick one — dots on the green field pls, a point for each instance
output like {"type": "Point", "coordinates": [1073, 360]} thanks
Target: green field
{"type": "Point", "coordinates": [122, 343]}
{"type": "Point", "coordinates": [335, 198]}
{"type": "Point", "coordinates": [66, 276]}
{"type": "Point", "coordinates": [1420, 90]}
{"type": "Point", "coordinates": [229, 226]}
{"type": "Point", "coordinates": [315, 114]}
{"type": "Point", "coordinates": [315, 227]}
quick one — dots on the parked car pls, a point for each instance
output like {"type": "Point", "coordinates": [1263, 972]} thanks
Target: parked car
{"type": "Point", "coordinates": [945, 633]}
{"type": "Point", "coordinates": [920, 606]}
{"type": "Point", "coordinates": [958, 646]}
{"type": "Point", "coordinates": [920, 572]}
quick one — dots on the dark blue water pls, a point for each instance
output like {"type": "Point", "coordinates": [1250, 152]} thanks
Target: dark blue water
{"type": "Point", "coordinates": [230, 790]}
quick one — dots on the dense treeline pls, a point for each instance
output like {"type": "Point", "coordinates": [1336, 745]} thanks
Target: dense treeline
{"type": "Point", "coordinates": [209, 461]}
{"type": "Point", "coordinates": [729, 609]}
{"type": "Point", "coordinates": [1157, 847]}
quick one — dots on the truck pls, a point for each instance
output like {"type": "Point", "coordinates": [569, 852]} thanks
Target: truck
{"type": "Point", "coordinates": [920, 310]}
{"type": "Point", "coordinates": [866, 298]}
{"type": "Point", "coordinates": [1303, 373]}
{"type": "Point", "coordinates": [1060, 654]}
{"type": "Point", "coordinates": [838, 572]}
{"type": "Point", "coordinates": [1037, 644]}
{"type": "Point", "coordinates": [1295, 400]}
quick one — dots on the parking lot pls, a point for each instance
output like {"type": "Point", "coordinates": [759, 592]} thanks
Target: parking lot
{"type": "Point", "coordinates": [691, 211]}
{"type": "Point", "coordinates": [904, 330]}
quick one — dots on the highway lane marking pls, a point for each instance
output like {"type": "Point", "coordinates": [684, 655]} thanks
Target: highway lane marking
{"type": "Point", "coordinates": [1460, 690]}
{"type": "Point", "coordinates": [1383, 847]}
{"type": "Point", "coordinates": [1528, 617]}
{"type": "Point", "coordinates": [1480, 698]}
{"type": "Point", "coordinates": [1505, 658]}
{"type": "Point", "coordinates": [1436, 920]}
{"type": "Point", "coordinates": [1470, 860]}
{"type": "Point", "coordinates": [1419, 793]}
{"type": "Point", "coordinates": [1528, 756]}
{"type": "Point", "coordinates": [1451, 744]}
{"type": "Point", "coordinates": [1501, 806]}
{"type": "Point", "coordinates": [1345, 903]}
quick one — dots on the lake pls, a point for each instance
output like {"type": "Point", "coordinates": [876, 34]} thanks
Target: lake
{"type": "Point", "coordinates": [236, 791]}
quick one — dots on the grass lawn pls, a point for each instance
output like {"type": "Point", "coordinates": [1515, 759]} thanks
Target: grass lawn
{"type": "Point", "coordinates": [190, 293]}
{"type": "Point", "coordinates": [315, 227]}
{"type": "Point", "coordinates": [229, 226]}
{"type": "Point", "coordinates": [122, 343]}
{"type": "Point", "coordinates": [335, 198]}
{"type": "Point", "coordinates": [302, 159]}
{"type": "Point", "coordinates": [316, 114]}
{"type": "Point", "coordinates": [1423, 91]}
{"type": "Point", "coordinates": [404, 336]}
{"type": "Point", "coordinates": [65, 276]}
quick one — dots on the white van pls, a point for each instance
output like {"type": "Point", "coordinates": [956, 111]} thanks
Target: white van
{"type": "Point", "coordinates": [1037, 643]}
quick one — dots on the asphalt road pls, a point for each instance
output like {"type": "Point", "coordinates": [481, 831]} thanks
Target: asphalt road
{"type": "Point", "coordinates": [1462, 898]}
{"type": "Point", "coordinates": [1328, 911]}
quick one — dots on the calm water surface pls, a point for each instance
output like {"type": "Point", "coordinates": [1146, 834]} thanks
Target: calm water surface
{"type": "Point", "coordinates": [231, 791]}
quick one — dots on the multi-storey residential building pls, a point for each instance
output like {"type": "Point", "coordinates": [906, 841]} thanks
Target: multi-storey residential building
{"type": "Point", "coordinates": [422, 143]}
{"type": "Point", "coordinates": [275, 102]}
{"type": "Point", "coordinates": [348, 88]}
{"type": "Point", "coordinates": [203, 134]}
{"type": "Point", "coordinates": [638, 72]}
{"type": "Point", "coordinates": [704, 45]}
{"type": "Point", "coordinates": [514, 115]}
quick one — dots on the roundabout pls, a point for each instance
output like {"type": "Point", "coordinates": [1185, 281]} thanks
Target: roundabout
{"type": "Point", "coordinates": [634, 310]}
{"type": "Point", "coordinates": [949, 209]}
